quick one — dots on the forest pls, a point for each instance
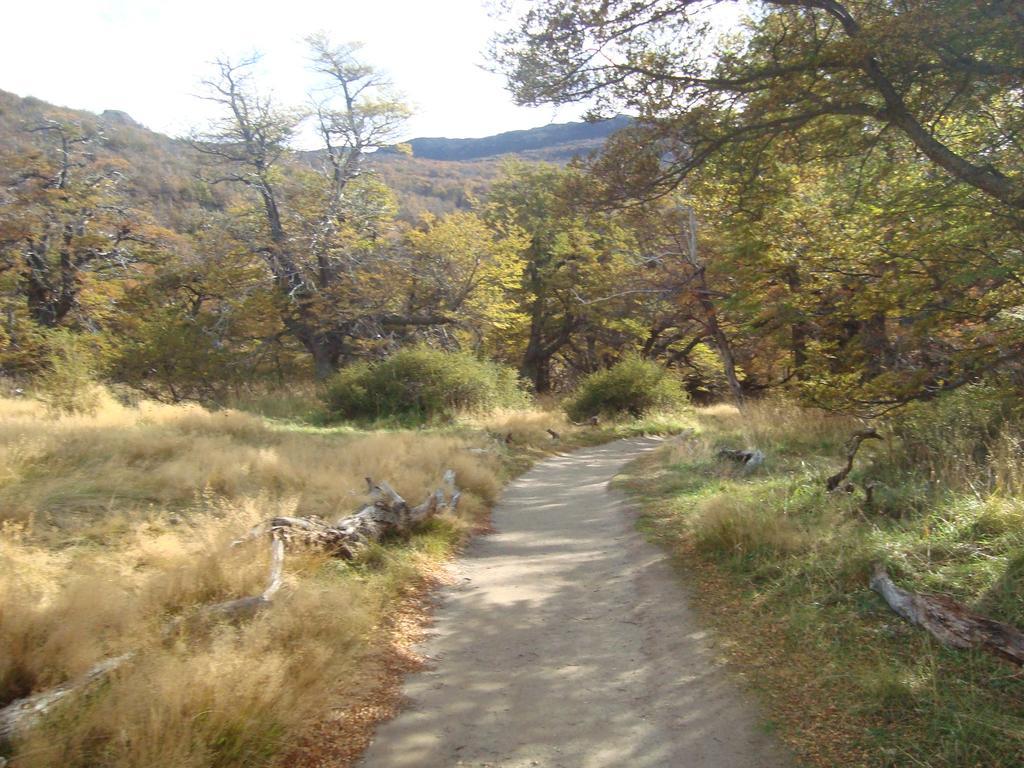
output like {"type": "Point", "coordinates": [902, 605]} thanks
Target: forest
{"type": "Point", "coordinates": [804, 246]}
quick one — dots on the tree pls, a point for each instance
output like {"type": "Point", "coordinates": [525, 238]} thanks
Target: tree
{"type": "Point", "coordinates": [579, 266]}
{"type": "Point", "coordinates": [459, 265]}
{"type": "Point", "coordinates": [863, 279]}
{"type": "Point", "coordinates": [203, 324]}
{"type": "Point", "coordinates": [320, 235]}
{"type": "Point", "coordinates": [857, 166]}
{"type": "Point", "coordinates": [845, 72]}
{"type": "Point", "coordinates": [66, 226]}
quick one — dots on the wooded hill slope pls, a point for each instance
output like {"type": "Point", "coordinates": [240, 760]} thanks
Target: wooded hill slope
{"type": "Point", "coordinates": [439, 176]}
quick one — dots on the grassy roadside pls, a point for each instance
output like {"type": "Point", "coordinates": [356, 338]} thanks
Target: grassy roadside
{"type": "Point", "coordinates": [113, 524]}
{"type": "Point", "coordinates": [780, 570]}
{"type": "Point", "coordinates": [116, 523]}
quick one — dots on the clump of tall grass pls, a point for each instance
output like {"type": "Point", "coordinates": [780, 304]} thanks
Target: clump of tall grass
{"type": "Point", "coordinates": [741, 526]}
{"type": "Point", "coordinates": [297, 402]}
{"type": "Point", "coordinates": [777, 427]}
{"type": "Point", "coordinates": [67, 383]}
{"type": "Point", "coordinates": [117, 522]}
{"type": "Point", "coordinates": [969, 439]}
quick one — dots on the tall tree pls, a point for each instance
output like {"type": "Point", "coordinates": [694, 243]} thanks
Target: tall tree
{"type": "Point", "coordinates": [847, 71]}
{"type": "Point", "coordinates": [320, 229]}
{"type": "Point", "coordinates": [867, 280]}
{"type": "Point", "coordinates": [576, 265]}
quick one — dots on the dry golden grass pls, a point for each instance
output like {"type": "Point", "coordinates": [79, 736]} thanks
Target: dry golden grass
{"type": "Point", "coordinates": [58, 474]}
{"type": "Point", "coordinates": [117, 522]}
{"type": "Point", "coordinates": [785, 427]}
{"type": "Point", "coordinates": [743, 526]}
{"type": "Point", "coordinates": [527, 427]}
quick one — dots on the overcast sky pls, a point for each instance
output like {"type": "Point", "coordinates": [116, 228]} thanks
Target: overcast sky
{"type": "Point", "coordinates": [147, 57]}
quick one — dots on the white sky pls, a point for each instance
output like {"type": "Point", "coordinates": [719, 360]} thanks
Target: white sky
{"type": "Point", "coordinates": [147, 57]}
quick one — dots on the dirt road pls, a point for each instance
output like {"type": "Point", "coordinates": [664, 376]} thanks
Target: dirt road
{"type": "Point", "coordinates": [568, 643]}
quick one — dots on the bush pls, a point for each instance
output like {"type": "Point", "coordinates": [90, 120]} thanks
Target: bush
{"type": "Point", "coordinates": [634, 386]}
{"type": "Point", "coordinates": [421, 384]}
{"type": "Point", "coordinates": [68, 384]}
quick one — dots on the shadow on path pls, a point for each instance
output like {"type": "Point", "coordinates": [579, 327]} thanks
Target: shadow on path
{"type": "Point", "coordinates": [568, 643]}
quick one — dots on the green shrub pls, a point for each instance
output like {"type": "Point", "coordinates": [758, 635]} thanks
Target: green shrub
{"type": "Point", "coordinates": [634, 386]}
{"type": "Point", "coordinates": [421, 384]}
{"type": "Point", "coordinates": [68, 384]}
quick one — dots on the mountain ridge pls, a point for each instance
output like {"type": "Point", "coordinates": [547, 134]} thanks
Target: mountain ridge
{"type": "Point", "coordinates": [560, 140]}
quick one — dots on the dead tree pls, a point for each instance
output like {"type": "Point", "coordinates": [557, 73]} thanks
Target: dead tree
{"type": "Point", "coordinates": [950, 622]}
{"type": "Point", "coordinates": [704, 298]}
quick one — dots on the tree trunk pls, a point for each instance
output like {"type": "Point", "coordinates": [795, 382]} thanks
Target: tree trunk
{"type": "Point", "coordinates": [325, 362]}
{"type": "Point", "coordinates": [327, 348]}
{"type": "Point", "coordinates": [874, 340]}
{"type": "Point", "coordinates": [797, 328]}
{"type": "Point", "coordinates": [718, 336]}
{"type": "Point", "coordinates": [536, 368]}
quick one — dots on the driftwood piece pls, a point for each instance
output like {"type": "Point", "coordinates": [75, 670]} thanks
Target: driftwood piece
{"type": "Point", "coordinates": [22, 714]}
{"type": "Point", "coordinates": [950, 622]}
{"type": "Point", "coordinates": [749, 459]}
{"type": "Point", "coordinates": [387, 513]}
{"type": "Point", "coordinates": [851, 452]}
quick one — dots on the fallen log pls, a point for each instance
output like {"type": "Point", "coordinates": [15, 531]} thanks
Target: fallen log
{"type": "Point", "coordinates": [851, 452]}
{"type": "Point", "coordinates": [948, 621]}
{"type": "Point", "coordinates": [246, 607]}
{"type": "Point", "coordinates": [22, 714]}
{"type": "Point", "coordinates": [387, 513]}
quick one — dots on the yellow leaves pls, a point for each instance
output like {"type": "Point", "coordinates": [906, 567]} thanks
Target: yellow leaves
{"type": "Point", "coordinates": [475, 267]}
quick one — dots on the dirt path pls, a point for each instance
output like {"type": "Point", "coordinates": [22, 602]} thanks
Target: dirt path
{"type": "Point", "coordinates": [568, 643]}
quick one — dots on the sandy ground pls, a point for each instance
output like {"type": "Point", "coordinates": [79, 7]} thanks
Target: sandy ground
{"type": "Point", "coordinates": [567, 642]}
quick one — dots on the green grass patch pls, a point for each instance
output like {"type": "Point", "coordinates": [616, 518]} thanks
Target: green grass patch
{"type": "Point", "coordinates": [782, 571]}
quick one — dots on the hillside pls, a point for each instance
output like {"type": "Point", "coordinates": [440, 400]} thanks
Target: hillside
{"type": "Point", "coordinates": [160, 173]}
{"type": "Point", "coordinates": [442, 174]}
